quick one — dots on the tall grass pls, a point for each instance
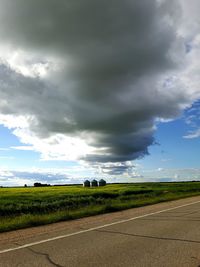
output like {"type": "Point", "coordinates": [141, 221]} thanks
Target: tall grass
{"type": "Point", "coordinates": [25, 207]}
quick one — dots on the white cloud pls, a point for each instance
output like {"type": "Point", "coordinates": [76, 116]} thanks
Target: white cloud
{"type": "Point", "coordinates": [26, 148]}
{"type": "Point", "coordinates": [56, 147]}
{"type": "Point", "coordinates": [192, 135]}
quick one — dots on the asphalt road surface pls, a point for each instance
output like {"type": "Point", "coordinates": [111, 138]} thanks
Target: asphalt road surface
{"type": "Point", "coordinates": [166, 234]}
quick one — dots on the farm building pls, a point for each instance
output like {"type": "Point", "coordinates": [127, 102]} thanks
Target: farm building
{"type": "Point", "coordinates": [94, 183]}
{"type": "Point", "coordinates": [102, 182]}
{"type": "Point", "coordinates": [86, 183]}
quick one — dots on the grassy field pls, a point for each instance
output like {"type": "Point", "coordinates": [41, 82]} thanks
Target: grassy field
{"type": "Point", "coordinates": [25, 207]}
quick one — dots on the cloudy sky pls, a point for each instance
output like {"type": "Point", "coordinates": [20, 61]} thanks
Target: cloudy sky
{"type": "Point", "coordinates": [99, 88]}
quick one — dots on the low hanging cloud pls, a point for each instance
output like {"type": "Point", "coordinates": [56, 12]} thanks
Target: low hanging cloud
{"type": "Point", "coordinates": [88, 79]}
{"type": "Point", "coordinates": [162, 174]}
{"type": "Point", "coordinates": [56, 177]}
{"type": "Point", "coordinates": [19, 178]}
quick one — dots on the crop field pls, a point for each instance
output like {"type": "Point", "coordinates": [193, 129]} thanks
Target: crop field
{"type": "Point", "coordinates": [31, 206]}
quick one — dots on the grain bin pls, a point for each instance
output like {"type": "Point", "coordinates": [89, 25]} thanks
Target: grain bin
{"type": "Point", "coordinates": [94, 183]}
{"type": "Point", "coordinates": [102, 182]}
{"type": "Point", "coordinates": [86, 183]}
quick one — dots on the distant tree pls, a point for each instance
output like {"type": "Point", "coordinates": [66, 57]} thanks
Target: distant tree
{"type": "Point", "coordinates": [40, 185]}
{"type": "Point", "coordinates": [25, 185]}
{"type": "Point", "coordinates": [37, 184]}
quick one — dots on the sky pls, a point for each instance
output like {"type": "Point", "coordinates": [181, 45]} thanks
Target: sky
{"type": "Point", "coordinates": [92, 89]}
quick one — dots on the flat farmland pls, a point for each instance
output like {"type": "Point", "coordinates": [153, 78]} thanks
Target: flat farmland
{"type": "Point", "coordinates": [32, 206]}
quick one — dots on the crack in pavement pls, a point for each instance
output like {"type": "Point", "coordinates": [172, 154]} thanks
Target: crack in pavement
{"type": "Point", "coordinates": [42, 254]}
{"type": "Point", "coordinates": [47, 257]}
{"type": "Point", "coordinates": [150, 237]}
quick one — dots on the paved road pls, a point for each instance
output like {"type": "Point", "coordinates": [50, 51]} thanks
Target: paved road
{"type": "Point", "coordinates": [166, 234]}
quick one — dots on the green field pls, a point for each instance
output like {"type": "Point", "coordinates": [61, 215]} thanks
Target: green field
{"type": "Point", "coordinates": [25, 207]}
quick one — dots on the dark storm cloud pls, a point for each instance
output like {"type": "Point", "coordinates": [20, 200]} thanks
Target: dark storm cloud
{"type": "Point", "coordinates": [109, 85]}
